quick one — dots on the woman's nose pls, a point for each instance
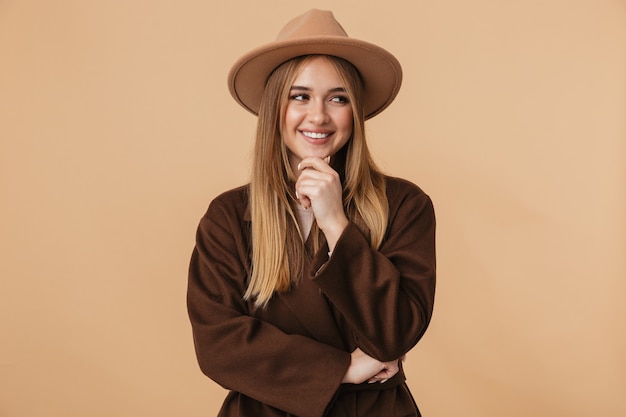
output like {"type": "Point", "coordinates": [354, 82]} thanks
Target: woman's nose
{"type": "Point", "coordinates": [318, 114]}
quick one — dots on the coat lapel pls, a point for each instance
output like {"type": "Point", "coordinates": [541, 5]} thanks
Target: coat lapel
{"type": "Point", "coordinates": [310, 307]}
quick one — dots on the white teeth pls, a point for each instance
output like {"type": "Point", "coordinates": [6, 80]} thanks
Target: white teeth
{"type": "Point", "coordinates": [314, 135]}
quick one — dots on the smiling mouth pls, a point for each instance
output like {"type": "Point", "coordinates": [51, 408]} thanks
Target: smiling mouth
{"type": "Point", "coordinates": [315, 135]}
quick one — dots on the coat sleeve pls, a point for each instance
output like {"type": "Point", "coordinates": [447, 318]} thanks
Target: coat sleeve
{"type": "Point", "coordinates": [290, 372]}
{"type": "Point", "coordinates": [385, 296]}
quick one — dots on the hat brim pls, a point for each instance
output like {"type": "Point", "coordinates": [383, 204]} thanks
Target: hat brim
{"type": "Point", "coordinates": [380, 70]}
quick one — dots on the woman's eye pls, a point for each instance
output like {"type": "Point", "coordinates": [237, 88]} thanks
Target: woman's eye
{"type": "Point", "coordinates": [298, 97]}
{"type": "Point", "coordinates": [340, 99]}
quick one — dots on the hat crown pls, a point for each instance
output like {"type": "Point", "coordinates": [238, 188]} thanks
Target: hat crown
{"type": "Point", "coordinates": [312, 24]}
{"type": "Point", "coordinates": [316, 32]}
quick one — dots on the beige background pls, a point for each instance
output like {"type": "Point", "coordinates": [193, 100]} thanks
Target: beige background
{"type": "Point", "coordinates": [116, 130]}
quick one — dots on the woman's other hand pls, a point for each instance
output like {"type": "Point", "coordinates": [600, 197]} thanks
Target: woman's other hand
{"type": "Point", "coordinates": [365, 368]}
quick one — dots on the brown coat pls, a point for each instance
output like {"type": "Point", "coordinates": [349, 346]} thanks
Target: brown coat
{"type": "Point", "coordinates": [290, 358]}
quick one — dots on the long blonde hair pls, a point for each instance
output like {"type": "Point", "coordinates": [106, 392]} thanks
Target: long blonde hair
{"type": "Point", "coordinates": [277, 242]}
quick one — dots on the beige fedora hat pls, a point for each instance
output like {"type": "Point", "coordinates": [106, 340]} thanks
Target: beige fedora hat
{"type": "Point", "coordinates": [316, 32]}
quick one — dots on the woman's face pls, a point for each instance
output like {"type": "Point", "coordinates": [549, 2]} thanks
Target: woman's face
{"type": "Point", "coordinates": [318, 117]}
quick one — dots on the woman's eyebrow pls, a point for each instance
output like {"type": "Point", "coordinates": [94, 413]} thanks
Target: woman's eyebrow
{"type": "Point", "coordinates": [332, 90]}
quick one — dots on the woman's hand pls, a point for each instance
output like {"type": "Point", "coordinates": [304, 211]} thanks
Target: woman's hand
{"type": "Point", "coordinates": [319, 187]}
{"type": "Point", "coordinates": [365, 368]}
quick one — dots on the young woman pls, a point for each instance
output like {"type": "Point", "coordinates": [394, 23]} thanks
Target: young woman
{"type": "Point", "coordinates": [309, 285]}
